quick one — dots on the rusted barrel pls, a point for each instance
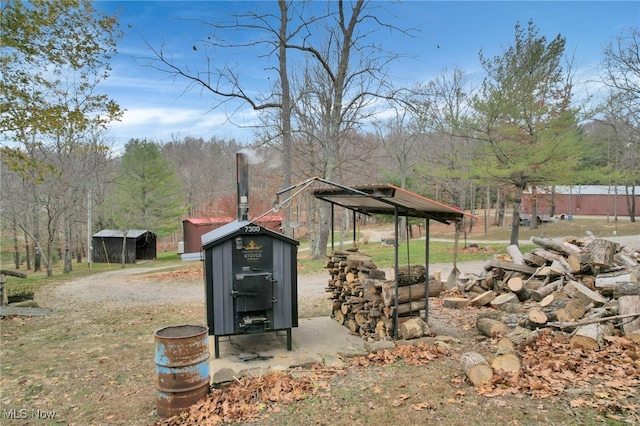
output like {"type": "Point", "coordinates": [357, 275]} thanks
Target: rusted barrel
{"type": "Point", "coordinates": [182, 367]}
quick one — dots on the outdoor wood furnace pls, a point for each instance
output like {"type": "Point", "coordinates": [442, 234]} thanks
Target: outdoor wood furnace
{"type": "Point", "coordinates": [250, 274]}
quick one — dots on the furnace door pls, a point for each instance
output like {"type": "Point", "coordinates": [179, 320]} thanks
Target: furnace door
{"type": "Point", "coordinates": [253, 292]}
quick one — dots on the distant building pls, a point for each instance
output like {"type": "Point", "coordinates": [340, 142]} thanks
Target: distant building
{"type": "Point", "coordinates": [107, 246]}
{"type": "Point", "coordinates": [583, 200]}
{"type": "Point", "coordinates": [194, 228]}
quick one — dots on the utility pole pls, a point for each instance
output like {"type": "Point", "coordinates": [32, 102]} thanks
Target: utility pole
{"type": "Point", "coordinates": [89, 226]}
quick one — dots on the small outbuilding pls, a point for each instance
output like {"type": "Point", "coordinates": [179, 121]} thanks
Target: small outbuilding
{"type": "Point", "coordinates": [107, 246]}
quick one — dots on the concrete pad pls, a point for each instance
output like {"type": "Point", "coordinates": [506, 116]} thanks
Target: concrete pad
{"type": "Point", "coordinates": [315, 340]}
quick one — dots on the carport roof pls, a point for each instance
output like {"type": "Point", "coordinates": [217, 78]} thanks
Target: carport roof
{"type": "Point", "coordinates": [385, 199]}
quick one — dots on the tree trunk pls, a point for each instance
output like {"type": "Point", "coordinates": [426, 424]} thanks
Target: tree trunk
{"type": "Point", "coordinates": [67, 264]}
{"type": "Point", "coordinates": [285, 112]}
{"type": "Point", "coordinates": [37, 266]}
{"type": "Point", "coordinates": [27, 251]}
{"type": "Point", "coordinates": [534, 208]}
{"type": "Point", "coordinates": [16, 250]}
{"type": "Point", "coordinates": [123, 261]}
{"type": "Point", "coordinates": [515, 223]}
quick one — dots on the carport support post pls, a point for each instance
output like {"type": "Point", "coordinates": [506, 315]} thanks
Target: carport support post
{"type": "Point", "coordinates": [395, 245]}
{"type": "Point", "coordinates": [426, 271]}
{"type": "Point", "coordinates": [332, 228]}
{"type": "Point", "coordinates": [355, 234]}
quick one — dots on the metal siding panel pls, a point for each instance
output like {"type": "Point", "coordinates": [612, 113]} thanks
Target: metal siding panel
{"type": "Point", "coordinates": [282, 270]}
{"type": "Point", "coordinates": [221, 274]}
{"type": "Point", "coordinates": [292, 266]}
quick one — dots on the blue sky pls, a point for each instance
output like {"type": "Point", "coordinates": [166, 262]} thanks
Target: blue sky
{"type": "Point", "coordinates": [451, 35]}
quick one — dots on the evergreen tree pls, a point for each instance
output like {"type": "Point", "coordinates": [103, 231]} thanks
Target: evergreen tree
{"type": "Point", "coordinates": [148, 193]}
{"type": "Point", "coordinates": [523, 115]}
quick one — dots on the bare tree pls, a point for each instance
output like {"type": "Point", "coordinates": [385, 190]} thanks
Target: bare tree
{"type": "Point", "coordinates": [225, 82]}
{"type": "Point", "coordinates": [621, 76]}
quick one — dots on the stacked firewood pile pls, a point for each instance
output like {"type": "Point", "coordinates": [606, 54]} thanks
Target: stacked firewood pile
{"type": "Point", "coordinates": [363, 298]}
{"type": "Point", "coordinates": [586, 287]}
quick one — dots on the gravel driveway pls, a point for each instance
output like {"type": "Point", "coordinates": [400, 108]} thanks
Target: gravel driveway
{"type": "Point", "coordinates": [146, 285]}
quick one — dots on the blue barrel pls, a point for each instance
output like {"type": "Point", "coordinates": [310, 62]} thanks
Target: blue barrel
{"type": "Point", "coordinates": [182, 367]}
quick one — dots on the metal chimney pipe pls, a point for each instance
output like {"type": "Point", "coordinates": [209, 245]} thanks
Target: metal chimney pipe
{"type": "Point", "coordinates": [242, 166]}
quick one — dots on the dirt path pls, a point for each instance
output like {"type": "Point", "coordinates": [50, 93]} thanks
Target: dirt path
{"type": "Point", "coordinates": [150, 285]}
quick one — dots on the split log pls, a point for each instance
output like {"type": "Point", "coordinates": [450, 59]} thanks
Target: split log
{"type": "Point", "coordinates": [476, 368]}
{"type": "Point", "coordinates": [505, 345]}
{"type": "Point", "coordinates": [568, 325]}
{"type": "Point", "coordinates": [517, 286]}
{"type": "Point", "coordinates": [377, 274]}
{"type": "Point", "coordinates": [491, 328]}
{"type": "Point", "coordinates": [381, 330]}
{"type": "Point", "coordinates": [361, 318]}
{"type": "Point", "coordinates": [548, 255]}
{"type": "Point", "coordinates": [504, 299]}
{"type": "Point", "coordinates": [353, 325]}
{"type": "Point", "coordinates": [408, 274]}
{"type": "Point", "coordinates": [625, 289]}
{"type": "Point", "coordinates": [455, 302]}
{"type": "Point", "coordinates": [338, 316]}
{"type": "Point", "coordinates": [516, 255]}
{"type": "Point", "coordinates": [549, 244]}
{"type": "Point", "coordinates": [605, 283]}
{"type": "Point", "coordinates": [546, 290]}
{"type": "Point", "coordinates": [547, 300]}
{"type": "Point", "coordinates": [533, 259]}
{"type": "Point", "coordinates": [579, 262]}
{"type": "Point", "coordinates": [625, 260]}
{"type": "Point", "coordinates": [507, 361]}
{"type": "Point", "coordinates": [484, 298]}
{"type": "Point", "coordinates": [630, 305]}
{"type": "Point", "coordinates": [409, 293]}
{"type": "Point", "coordinates": [533, 284]}
{"type": "Point", "coordinates": [522, 336]}
{"type": "Point", "coordinates": [536, 318]}
{"type": "Point", "coordinates": [572, 311]}
{"type": "Point", "coordinates": [570, 248]}
{"type": "Point", "coordinates": [557, 268]}
{"type": "Point", "coordinates": [509, 266]}
{"type": "Point", "coordinates": [602, 252]}
{"type": "Point", "coordinates": [582, 293]}
{"type": "Point", "coordinates": [405, 308]}
{"type": "Point", "coordinates": [355, 261]}
{"type": "Point", "coordinates": [591, 336]}
{"type": "Point", "coordinates": [413, 329]}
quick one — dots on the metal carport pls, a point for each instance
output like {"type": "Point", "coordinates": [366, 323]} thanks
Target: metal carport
{"type": "Point", "coordinates": [391, 200]}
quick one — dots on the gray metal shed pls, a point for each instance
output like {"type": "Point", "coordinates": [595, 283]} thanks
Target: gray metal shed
{"type": "Point", "coordinates": [107, 246]}
{"type": "Point", "coordinates": [250, 280]}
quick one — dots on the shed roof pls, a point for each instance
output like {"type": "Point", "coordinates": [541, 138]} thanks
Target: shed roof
{"type": "Point", "coordinates": [208, 220]}
{"type": "Point", "coordinates": [385, 198]}
{"type": "Point", "coordinates": [230, 230]}
{"type": "Point", "coordinates": [115, 233]}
